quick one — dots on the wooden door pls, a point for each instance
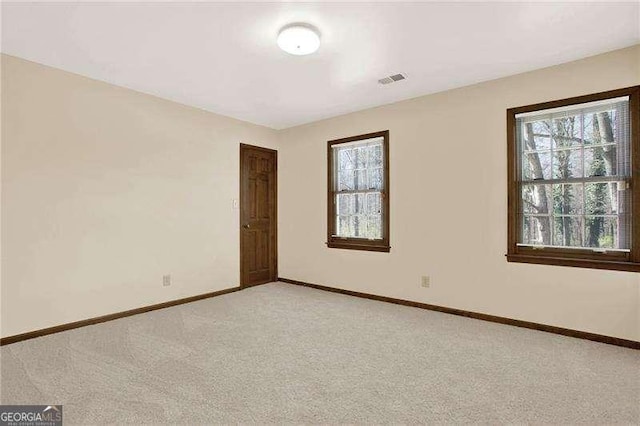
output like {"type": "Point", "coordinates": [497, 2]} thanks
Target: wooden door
{"type": "Point", "coordinates": [258, 215]}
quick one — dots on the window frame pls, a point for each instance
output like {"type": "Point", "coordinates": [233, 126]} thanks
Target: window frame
{"type": "Point", "coordinates": [333, 241]}
{"type": "Point", "coordinates": [584, 258]}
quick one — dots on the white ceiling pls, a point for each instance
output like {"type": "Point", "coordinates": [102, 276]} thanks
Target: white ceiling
{"type": "Point", "coordinates": [223, 57]}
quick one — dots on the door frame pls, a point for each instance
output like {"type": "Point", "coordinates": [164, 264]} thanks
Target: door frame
{"type": "Point", "coordinates": [241, 207]}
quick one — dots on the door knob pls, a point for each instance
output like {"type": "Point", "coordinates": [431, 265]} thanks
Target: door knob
{"type": "Point", "coordinates": [247, 226]}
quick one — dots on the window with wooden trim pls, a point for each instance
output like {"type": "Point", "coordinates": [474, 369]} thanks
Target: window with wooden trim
{"type": "Point", "coordinates": [358, 192]}
{"type": "Point", "coordinates": [574, 193]}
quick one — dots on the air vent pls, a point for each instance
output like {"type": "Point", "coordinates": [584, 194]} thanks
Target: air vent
{"type": "Point", "coordinates": [392, 79]}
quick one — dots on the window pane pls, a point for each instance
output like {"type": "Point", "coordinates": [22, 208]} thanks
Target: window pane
{"type": "Point", "coordinates": [346, 180]}
{"type": "Point", "coordinates": [567, 231]}
{"type": "Point", "coordinates": [361, 181]}
{"type": "Point", "coordinates": [590, 133]}
{"type": "Point", "coordinates": [375, 156]}
{"type": "Point", "coordinates": [567, 131]}
{"type": "Point", "coordinates": [353, 226]}
{"type": "Point", "coordinates": [614, 118]}
{"type": "Point", "coordinates": [374, 205]}
{"type": "Point", "coordinates": [536, 135]}
{"type": "Point", "coordinates": [360, 226]}
{"type": "Point", "coordinates": [359, 203]}
{"type": "Point", "coordinates": [567, 163]}
{"type": "Point", "coordinates": [345, 204]}
{"type": "Point", "coordinates": [536, 230]}
{"type": "Point", "coordinates": [527, 230]}
{"type": "Point", "coordinates": [600, 161]}
{"type": "Point", "coordinates": [601, 198]}
{"type": "Point", "coordinates": [537, 165]}
{"type": "Point", "coordinates": [600, 127]}
{"type": "Point", "coordinates": [361, 157]}
{"type": "Point", "coordinates": [375, 179]}
{"type": "Point", "coordinates": [567, 199]}
{"type": "Point", "coordinates": [374, 228]}
{"type": "Point", "coordinates": [345, 226]}
{"type": "Point", "coordinates": [345, 159]}
{"type": "Point", "coordinates": [536, 199]}
{"type": "Point", "coordinates": [601, 232]}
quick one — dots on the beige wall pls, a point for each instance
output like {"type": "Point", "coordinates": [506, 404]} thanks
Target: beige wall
{"type": "Point", "coordinates": [104, 190]}
{"type": "Point", "coordinates": [448, 199]}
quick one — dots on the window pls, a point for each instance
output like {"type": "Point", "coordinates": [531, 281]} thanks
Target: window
{"type": "Point", "coordinates": [574, 192]}
{"type": "Point", "coordinates": [358, 192]}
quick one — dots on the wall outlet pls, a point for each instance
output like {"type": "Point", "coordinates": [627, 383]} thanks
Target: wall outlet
{"type": "Point", "coordinates": [166, 280]}
{"type": "Point", "coordinates": [425, 281]}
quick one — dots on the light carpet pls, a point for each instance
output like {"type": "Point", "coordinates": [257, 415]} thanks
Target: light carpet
{"type": "Point", "coordinates": [280, 353]}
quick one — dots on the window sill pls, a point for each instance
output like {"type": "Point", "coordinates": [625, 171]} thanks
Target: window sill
{"type": "Point", "coordinates": [347, 245]}
{"type": "Point", "coordinates": [575, 262]}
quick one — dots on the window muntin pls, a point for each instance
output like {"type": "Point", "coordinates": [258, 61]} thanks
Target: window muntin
{"type": "Point", "coordinates": [358, 193]}
{"type": "Point", "coordinates": [574, 176]}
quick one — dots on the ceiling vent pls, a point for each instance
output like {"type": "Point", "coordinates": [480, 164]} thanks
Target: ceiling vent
{"type": "Point", "coordinates": [392, 79]}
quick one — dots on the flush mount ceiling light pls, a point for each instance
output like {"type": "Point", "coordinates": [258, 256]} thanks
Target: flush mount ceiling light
{"type": "Point", "coordinates": [299, 39]}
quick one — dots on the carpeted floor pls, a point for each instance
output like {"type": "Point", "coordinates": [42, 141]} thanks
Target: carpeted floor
{"type": "Point", "coordinates": [280, 353]}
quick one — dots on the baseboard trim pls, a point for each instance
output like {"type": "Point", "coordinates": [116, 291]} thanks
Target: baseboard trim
{"type": "Point", "coordinates": [476, 315]}
{"type": "Point", "coordinates": [110, 317]}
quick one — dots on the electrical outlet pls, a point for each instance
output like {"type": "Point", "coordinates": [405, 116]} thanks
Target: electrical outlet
{"type": "Point", "coordinates": [166, 280]}
{"type": "Point", "coordinates": [425, 281]}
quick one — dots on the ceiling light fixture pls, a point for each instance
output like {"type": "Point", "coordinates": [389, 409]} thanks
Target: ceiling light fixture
{"type": "Point", "coordinates": [299, 39]}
